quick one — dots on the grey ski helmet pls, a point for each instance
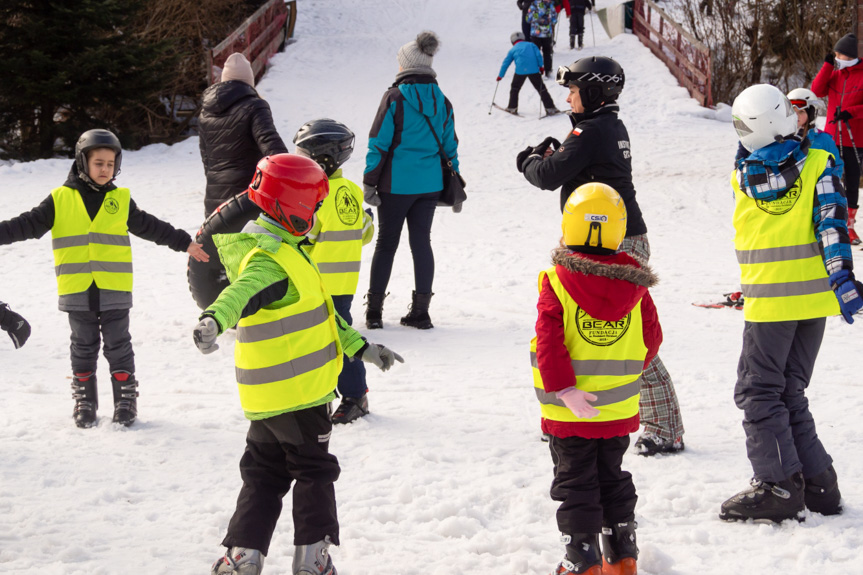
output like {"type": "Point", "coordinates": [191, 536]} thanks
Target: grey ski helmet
{"type": "Point", "coordinates": [328, 142]}
{"type": "Point", "coordinates": [599, 79]}
{"type": "Point", "coordinates": [516, 36]}
{"type": "Point", "coordinates": [90, 140]}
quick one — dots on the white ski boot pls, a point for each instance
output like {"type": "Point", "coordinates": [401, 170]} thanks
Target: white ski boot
{"type": "Point", "coordinates": [239, 561]}
{"type": "Point", "coordinates": [314, 559]}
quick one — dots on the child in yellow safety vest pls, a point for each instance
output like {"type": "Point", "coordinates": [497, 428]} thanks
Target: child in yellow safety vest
{"type": "Point", "coordinates": [289, 351]}
{"type": "Point", "coordinates": [596, 331]}
{"type": "Point", "coordinates": [90, 219]}
{"type": "Point", "coordinates": [340, 231]}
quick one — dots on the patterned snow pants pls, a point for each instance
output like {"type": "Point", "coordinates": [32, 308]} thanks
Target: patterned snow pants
{"type": "Point", "coordinates": [657, 407]}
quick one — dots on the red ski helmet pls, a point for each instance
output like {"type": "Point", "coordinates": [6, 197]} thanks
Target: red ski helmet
{"type": "Point", "coordinates": [289, 188]}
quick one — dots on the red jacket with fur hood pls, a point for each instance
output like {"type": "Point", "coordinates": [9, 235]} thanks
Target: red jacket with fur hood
{"type": "Point", "coordinates": [607, 288]}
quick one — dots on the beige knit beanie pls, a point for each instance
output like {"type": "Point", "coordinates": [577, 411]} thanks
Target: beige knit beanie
{"type": "Point", "coordinates": [417, 54]}
{"type": "Point", "coordinates": [238, 68]}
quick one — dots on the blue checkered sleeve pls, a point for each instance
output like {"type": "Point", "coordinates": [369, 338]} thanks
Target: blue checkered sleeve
{"type": "Point", "coordinates": [829, 214]}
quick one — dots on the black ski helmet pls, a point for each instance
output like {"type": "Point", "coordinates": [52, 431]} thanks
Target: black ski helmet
{"type": "Point", "coordinates": [599, 79]}
{"type": "Point", "coordinates": [328, 142]}
{"type": "Point", "coordinates": [90, 140]}
{"type": "Point", "coordinates": [516, 37]}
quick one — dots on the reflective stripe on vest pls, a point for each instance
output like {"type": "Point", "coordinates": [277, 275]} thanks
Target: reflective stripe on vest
{"type": "Point", "coordinates": [782, 273]}
{"type": "Point", "coordinates": [97, 250]}
{"type": "Point", "coordinates": [339, 246]}
{"type": "Point", "coordinates": [607, 359]}
{"type": "Point", "coordinates": [290, 356]}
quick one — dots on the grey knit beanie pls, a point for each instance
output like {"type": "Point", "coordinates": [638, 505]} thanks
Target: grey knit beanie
{"type": "Point", "coordinates": [847, 45]}
{"type": "Point", "coordinates": [238, 68]}
{"type": "Point", "coordinates": [417, 54]}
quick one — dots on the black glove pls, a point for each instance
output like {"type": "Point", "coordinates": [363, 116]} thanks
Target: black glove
{"type": "Point", "coordinates": [841, 116]}
{"type": "Point", "coordinates": [830, 59]}
{"type": "Point", "coordinates": [549, 141]}
{"type": "Point", "coordinates": [15, 325]}
{"type": "Point", "coordinates": [521, 157]}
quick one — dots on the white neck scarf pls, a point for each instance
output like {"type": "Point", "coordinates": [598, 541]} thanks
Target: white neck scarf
{"type": "Point", "coordinates": [840, 64]}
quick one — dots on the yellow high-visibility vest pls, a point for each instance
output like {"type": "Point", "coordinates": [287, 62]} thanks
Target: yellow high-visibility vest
{"type": "Point", "coordinates": [338, 248]}
{"type": "Point", "coordinates": [291, 356]}
{"type": "Point", "coordinates": [607, 357]}
{"type": "Point", "coordinates": [88, 250]}
{"type": "Point", "coordinates": [782, 273]}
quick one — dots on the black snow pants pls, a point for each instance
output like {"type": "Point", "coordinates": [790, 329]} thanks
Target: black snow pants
{"type": "Point", "coordinates": [547, 47]}
{"type": "Point", "coordinates": [576, 22]}
{"type": "Point", "coordinates": [116, 342]}
{"type": "Point", "coordinates": [772, 376]}
{"type": "Point", "coordinates": [536, 80]}
{"type": "Point", "coordinates": [589, 482]}
{"type": "Point", "coordinates": [285, 449]}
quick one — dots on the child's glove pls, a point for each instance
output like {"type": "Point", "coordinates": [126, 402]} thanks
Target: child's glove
{"type": "Point", "coordinates": [541, 70]}
{"type": "Point", "coordinates": [499, 78]}
{"type": "Point", "coordinates": [381, 356]}
{"type": "Point", "coordinates": [578, 402]}
{"type": "Point", "coordinates": [848, 291]}
{"type": "Point", "coordinates": [205, 334]}
{"type": "Point", "coordinates": [15, 325]}
{"type": "Point", "coordinates": [830, 59]}
{"type": "Point", "coordinates": [370, 193]}
{"type": "Point", "coordinates": [456, 208]}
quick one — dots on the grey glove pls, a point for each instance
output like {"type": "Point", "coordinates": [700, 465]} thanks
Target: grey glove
{"type": "Point", "coordinates": [370, 193]}
{"type": "Point", "coordinates": [15, 325]}
{"type": "Point", "coordinates": [381, 356]}
{"type": "Point", "coordinates": [205, 334]}
{"type": "Point", "coordinates": [457, 208]}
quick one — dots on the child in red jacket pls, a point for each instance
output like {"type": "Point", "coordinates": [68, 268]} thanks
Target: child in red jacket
{"type": "Point", "coordinates": [596, 331]}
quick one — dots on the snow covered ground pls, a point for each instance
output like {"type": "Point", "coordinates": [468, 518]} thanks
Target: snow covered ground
{"type": "Point", "coordinates": [447, 475]}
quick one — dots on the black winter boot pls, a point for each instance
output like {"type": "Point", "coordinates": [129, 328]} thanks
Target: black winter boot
{"type": "Point", "coordinates": [821, 494]}
{"type": "Point", "coordinates": [582, 554]}
{"type": "Point", "coordinates": [580, 41]}
{"type": "Point", "coordinates": [418, 316]}
{"type": "Point", "coordinates": [86, 397]}
{"type": "Point", "coordinates": [619, 552]}
{"type": "Point", "coordinates": [766, 502]}
{"type": "Point", "coordinates": [125, 397]}
{"type": "Point", "coordinates": [375, 310]}
{"type": "Point", "coordinates": [351, 409]}
{"type": "Point", "coordinates": [571, 41]}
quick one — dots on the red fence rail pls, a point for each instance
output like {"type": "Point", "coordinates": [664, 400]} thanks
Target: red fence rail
{"type": "Point", "coordinates": [262, 34]}
{"type": "Point", "coordinates": [686, 57]}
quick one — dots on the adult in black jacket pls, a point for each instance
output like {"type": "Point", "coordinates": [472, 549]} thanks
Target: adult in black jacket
{"type": "Point", "coordinates": [597, 150]}
{"type": "Point", "coordinates": [236, 130]}
{"type": "Point", "coordinates": [525, 25]}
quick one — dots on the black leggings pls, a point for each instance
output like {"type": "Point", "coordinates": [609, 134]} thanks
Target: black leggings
{"type": "Point", "coordinates": [545, 44]}
{"type": "Point", "coordinates": [418, 211]}
{"type": "Point", "coordinates": [852, 175]}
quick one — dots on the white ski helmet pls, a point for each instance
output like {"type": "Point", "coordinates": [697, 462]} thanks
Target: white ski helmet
{"type": "Point", "coordinates": [762, 115]}
{"type": "Point", "coordinates": [804, 99]}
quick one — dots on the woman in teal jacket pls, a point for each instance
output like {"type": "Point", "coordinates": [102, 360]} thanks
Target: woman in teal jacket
{"type": "Point", "coordinates": [403, 175]}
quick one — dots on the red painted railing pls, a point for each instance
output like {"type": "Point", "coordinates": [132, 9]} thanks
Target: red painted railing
{"type": "Point", "coordinates": [263, 34]}
{"type": "Point", "coordinates": [686, 57]}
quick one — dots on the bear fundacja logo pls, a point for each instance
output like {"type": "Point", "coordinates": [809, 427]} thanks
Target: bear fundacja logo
{"type": "Point", "coordinates": [111, 206]}
{"type": "Point", "coordinates": [347, 207]}
{"type": "Point", "coordinates": [781, 205]}
{"type": "Point", "coordinates": [598, 331]}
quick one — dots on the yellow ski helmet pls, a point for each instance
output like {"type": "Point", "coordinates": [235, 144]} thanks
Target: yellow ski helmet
{"type": "Point", "coordinates": [594, 216]}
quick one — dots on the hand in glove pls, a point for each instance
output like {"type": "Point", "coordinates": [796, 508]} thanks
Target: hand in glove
{"type": "Point", "coordinates": [381, 356]}
{"type": "Point", "coordinates": [841, 116]}
{"type": "Point", "coordinates": [456, 208]}
{"type": "Point", "coordinates": [15, 325]}
{"type": "Point", "coordinates": [830, 59]}
{"type": "Point", "coordinates": [578, 402]}
{"type": "Point", "coordinates": [205, 334]}
{"type": "Point", "coordinates": [370, 193]}
{"type": "Point", "coordinates": [541, 70]}
{"type": "Point", "coordinates": [499, 78]}
{"type": "Point", "coordinates": [848, 291]}
{"type": "Point", "coordinates": [521, 157]}
{"type": "Point", "coordinates": [543, 146]}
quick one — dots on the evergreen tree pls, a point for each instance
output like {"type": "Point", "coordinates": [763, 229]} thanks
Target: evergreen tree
{"type": "Point", "coordinates": [67, 66]}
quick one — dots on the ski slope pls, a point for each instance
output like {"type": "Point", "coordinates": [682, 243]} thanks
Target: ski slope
{"type": "Point", "coordinates": [447, 475]}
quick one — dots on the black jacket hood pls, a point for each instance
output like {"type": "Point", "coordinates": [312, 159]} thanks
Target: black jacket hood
{"type": "Point", "coordinates": [220, 97]}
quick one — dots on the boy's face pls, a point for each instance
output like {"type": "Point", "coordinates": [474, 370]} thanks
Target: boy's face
{"type": "Point", "coordinates": [100, 165]}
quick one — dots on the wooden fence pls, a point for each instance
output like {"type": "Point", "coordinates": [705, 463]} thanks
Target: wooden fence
{"type": "Point", "coordinates": [262, 34]}
{"type": "Point", "coordinates": [686, 57]}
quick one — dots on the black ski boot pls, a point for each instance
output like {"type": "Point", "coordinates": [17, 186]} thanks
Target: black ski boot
{"type": "Point", "coordinates": [418, 316]}
{"type": "Point", "coordinates": [375, 310]}
{"type": "Point", "coordinates": [821, 494]}
{"type": "Point", "coordinates": [582, 555]}
{"type": "Point", "coordinates": [619, 552]}
{"type": "Point", "coordinates": [571, 41]}
{"type": "Point", "coordinates": [351, 409]}
{"type": "Point", "coordinates": [580, 41]}
{"type": "Point", "coordinates": [86, 397]}
{"type": "Point", "coordinates": [125, 397]}
{"type": "Point", "coordinates": [766, 502]}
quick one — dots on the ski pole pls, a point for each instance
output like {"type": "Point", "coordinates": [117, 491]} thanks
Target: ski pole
{"type": "Point", "coordinates": [493, 97]}
{"type": "Point", "coordinates": [592, 33]}
{"type": "Point", "coordinates": [556, 28]}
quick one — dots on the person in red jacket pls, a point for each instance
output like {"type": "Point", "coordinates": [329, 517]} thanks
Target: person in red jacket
{"type": "Point", "coordinates": [596, 331]}
{"type": "Point", "coordinates": [841, 80]}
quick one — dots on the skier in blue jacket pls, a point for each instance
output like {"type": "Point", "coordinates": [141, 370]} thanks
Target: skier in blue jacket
{"type": "Point", "coordinates": [528, 66]}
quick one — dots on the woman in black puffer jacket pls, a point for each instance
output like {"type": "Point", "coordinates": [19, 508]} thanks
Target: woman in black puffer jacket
{"type": "Point", "coordinates": [236, 130]}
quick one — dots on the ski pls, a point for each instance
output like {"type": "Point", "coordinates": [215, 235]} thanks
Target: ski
{"type": "Point", "coordinates": [507, 111]}
{"type": "Point", "coordinates": [733, 300]}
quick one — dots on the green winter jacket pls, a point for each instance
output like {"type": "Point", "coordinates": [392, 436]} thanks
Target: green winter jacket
{"type": "Point", "coordinates": [260, 273]}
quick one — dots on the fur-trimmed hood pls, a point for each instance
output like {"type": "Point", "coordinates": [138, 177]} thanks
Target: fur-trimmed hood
{"type": "Point", "coordinates": [606, 287]}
